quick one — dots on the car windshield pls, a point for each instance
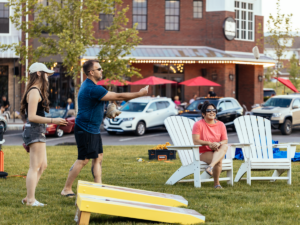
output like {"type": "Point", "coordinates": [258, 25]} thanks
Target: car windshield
{"type": "Point", "coordinates": [268, 93]}
{"type": "Point", "coordinates": [278, 102]}
{"type": "Point", "coordinates": [194, 105]}
{"type": "Point", "coordinates": [134, 107]}
{"type": "Point", "coordinates": [55, 113]}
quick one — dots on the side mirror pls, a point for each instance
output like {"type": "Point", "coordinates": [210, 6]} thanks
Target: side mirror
{"type": "Point", "coordinates": [220, 109]}
{"type": "Point", "coordinates": [295, 107]}
{"type": "Point", "coordinates": [149, 111]}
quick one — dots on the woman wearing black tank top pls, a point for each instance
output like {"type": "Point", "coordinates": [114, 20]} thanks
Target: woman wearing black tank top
{"type": "Point", "coordinates": [34, 104]}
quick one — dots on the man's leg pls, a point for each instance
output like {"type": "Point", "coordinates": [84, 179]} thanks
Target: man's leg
{"type": "Point", "coordinates": [74, 171]}
{"type": "Point", "coordinates": [97, 168]}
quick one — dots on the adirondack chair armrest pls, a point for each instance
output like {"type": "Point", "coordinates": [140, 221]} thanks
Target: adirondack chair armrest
{"type": "Point", "coordinates": [291, 148]}
{"type": "Point", "coordinates": [234, 146]}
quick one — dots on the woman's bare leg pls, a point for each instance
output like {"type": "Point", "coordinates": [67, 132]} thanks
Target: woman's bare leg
{"type": "Point", "coordinates": [219, 155]}
{"type": "Point", "coordinates": [38, 163]}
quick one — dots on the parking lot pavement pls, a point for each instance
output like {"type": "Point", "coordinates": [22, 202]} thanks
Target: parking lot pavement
{"type": "Point", "coordinates": [152, 137]}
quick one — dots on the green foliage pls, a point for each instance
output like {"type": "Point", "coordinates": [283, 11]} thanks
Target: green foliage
{"type": "Point", "coordinates": [119, 44]}
{"type": "Point", "coordinates": [263, 202]}
{"type": "Point", "coordinates": [280, 34]}
{"type": "Point", "coordinates": [269, 73]}
{"type": "Point", "coordinates": [294, 70]}
{"type": "Point", "coordinates": [66, 28]}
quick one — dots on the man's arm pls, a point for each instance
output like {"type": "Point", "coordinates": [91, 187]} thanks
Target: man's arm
{"type": "Point", "coordinates": [112, 96]}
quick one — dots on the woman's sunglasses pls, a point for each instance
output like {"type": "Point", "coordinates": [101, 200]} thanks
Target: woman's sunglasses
{"type": "Point", "coordinates": [211, 110]}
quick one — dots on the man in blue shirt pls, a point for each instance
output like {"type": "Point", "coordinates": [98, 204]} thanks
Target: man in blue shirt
{"type": "Point", "coordinates": [91, 103]}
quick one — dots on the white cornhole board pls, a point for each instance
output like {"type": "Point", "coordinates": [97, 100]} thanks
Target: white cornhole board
{"type": "Point", "coordinates": [130, 194]}
{"type": "Point", "coordinates": [88, 204]}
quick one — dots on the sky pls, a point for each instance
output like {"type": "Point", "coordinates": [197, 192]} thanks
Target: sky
{"type": "Point", "coordinates": [287, 7]}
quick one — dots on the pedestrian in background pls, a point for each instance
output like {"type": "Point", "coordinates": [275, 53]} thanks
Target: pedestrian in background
{"type": "Point", "coordinates": [211, 92]}
{"type": "Point", "coordinates": [176, 100]}
{"type": "Point", "coordinates": [70, 104]}
{"type": "Point", "coordinates": [34, 103]}
{"type": "Point", "coordinates": [5, 103]}
{"type": "Point", "coordinates": [193, 99]}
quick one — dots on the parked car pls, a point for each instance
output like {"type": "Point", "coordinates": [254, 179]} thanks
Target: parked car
{"type": "Point", "coordinates": [228, 109]}
{"type": "Point", "coordinates": [141, 114]}
{"type": "Point", "coordinates": [3, 121]}
{"type": "Point", "coordinates": [282, 110]}
{"type": "Point", "coordinates": [56, 130]}
{"type": "Point", "coordinates": [268, 92]}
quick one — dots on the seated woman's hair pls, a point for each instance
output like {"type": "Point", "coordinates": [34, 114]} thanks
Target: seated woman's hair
{"type": "Point", "coordinates": [204, 106]}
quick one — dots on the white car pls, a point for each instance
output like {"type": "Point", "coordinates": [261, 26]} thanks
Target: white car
{"type": "Point", "coordinates": [140, 114]}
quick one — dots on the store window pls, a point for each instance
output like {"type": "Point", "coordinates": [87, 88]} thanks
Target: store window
{"type": "Point", "coordinates": [139, 14]}
{"type": "Point", "coordinates": [3, 81]}
{"type": "Point", "coordinates": [197, 9]}
{"type": "Point", "coordinates": [106, 20]}
{"type": "Point", "coordinates": [4, 18]}
{"type": "Point", "coordinates": [172, 13]}
{"type": "Point", "coordinates": [169, 68]}
{"type": "Point", "coordinates": [244, 17]}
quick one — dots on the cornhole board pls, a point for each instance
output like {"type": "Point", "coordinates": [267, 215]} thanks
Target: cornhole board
{"type": "Point", "coordinates": [87, 204]}
{"type": "Point", "coordinates": [130, 194]}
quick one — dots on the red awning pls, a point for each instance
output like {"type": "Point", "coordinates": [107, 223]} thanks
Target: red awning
{"type": "Point", "coordinates": [199, 81]}
{"type": "Point", "coordinates": [152, 80]}
{"type": "Point", "coordinates": [106, 82]}
{"type": "Point", "coordinates": [287, 83]}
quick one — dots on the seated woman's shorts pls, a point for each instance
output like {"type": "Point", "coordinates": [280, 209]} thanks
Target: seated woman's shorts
{"type": "Point", "coordinates": [34, 132]}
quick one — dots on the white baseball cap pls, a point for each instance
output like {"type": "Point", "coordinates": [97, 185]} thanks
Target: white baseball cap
{"type": "Point", "coordinates": [35, 67]}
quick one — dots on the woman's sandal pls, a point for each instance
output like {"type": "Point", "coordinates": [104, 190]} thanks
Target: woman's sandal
{"type": "Point", "coordinates": [218, 187]}
{"type": "Point", "coordinates": [209, 170]}
{"type": "Point", "coordinates": [23, 201]}
{"type": "Point", "coordinates": [36, 203]}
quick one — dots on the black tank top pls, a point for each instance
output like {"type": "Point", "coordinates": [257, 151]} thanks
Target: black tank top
{"type": "Point", "coordinates": [40, 109]}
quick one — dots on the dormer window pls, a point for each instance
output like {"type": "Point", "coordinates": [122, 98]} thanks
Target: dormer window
{"type": "Point", "coordinates": [244, 18]}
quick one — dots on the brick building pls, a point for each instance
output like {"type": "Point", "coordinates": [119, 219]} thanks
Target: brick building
{"type": "Point", "coordinates": [185, 39]}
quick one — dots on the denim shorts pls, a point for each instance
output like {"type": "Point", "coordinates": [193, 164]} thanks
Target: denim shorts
{"type": "Point", "coordinates": [34, 132]}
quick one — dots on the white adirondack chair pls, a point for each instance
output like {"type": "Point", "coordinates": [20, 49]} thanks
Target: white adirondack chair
{"type": "Point", "coordinates": [255, 138]}
{"type": "Point", "coordinates": [180, 131]}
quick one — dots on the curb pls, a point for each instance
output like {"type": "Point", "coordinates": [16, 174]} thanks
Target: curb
{"type": "Point", "coordinates": [14, 127]}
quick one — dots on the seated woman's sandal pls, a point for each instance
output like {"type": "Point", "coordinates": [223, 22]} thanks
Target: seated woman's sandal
{"type": "Point", "coordinates": [209, 170]}
{"type": "Point", "coordinates": [218, 187]}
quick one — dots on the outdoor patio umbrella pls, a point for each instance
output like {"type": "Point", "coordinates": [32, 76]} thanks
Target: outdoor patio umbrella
{"type": "Point", "coordinates": [106, 82]}
{"type": "Point", "coordinates": [287, 83]}
{"type": "Point", "coordinates": [152, 80]}
{"type": "Point", "coordinates": [199, 81]}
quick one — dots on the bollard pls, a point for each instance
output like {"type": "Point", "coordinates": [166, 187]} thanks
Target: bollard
{"type": "Point", "coordinates": [2, 173]}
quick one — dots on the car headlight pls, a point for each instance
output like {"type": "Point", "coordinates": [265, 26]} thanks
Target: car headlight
{"type": "Point", "coordinates": [276, 115]}
{"type": "Point", "coordinates": [128, 119]}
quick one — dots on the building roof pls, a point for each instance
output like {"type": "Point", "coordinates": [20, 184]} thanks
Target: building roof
{"type": "Point", "coordinates": [149, 52]}
{"type": "Point", "coordinates": [295, 45]}
{"type": "Point", "coordinates": [8, 40]}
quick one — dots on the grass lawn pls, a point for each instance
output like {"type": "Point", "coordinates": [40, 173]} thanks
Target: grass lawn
{"type": "Point", "coordinates": [262, 203]}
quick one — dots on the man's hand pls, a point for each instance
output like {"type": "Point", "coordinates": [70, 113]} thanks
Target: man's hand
{"type": "Point", "coordinates": [144, 91]}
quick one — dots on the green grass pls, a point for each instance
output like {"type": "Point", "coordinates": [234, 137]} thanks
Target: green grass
{"type": "Point", "coordinates": [262, 203]}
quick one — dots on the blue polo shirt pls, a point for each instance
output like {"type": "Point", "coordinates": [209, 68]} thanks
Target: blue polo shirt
{"type": "Point", "coordinates": [90, 107]}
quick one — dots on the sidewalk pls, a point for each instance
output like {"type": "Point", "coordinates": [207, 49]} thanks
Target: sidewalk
{"type": "Point", "coordinates": [17, 125]}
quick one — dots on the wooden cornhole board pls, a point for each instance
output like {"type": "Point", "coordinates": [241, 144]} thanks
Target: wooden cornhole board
{"type": "Point", "coordinates": [87, 204]}
{"type": "Point", "coordinates": [130, 194]}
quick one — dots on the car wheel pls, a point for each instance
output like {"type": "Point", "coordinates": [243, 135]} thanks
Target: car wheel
{"type": "Point", "coordinates": [140, 129]}
{"type": "Point", "coordinates": [286, 127]}
{"type": "Point", "coordinates": [59, 133]}
{"type": "Point", "coordinates": [3, 125]}
{"type": "Point", "coordinates": [111, 132]}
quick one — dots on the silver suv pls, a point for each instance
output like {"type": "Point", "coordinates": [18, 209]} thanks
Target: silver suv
{"type": "Point", "coordinates": [282, 110]}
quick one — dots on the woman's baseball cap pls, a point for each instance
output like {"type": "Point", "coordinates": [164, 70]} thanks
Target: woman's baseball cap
{"type": "Point", "coordinates": [35, 67]}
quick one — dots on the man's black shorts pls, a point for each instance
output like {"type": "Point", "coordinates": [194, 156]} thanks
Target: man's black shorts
{"type": "Point", "coordinates": [89, 145]}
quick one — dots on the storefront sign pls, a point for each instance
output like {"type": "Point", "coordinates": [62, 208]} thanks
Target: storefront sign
{"type": "Point", "coordinates": [229, 28]}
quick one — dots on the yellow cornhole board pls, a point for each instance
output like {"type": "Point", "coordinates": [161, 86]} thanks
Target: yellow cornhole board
{"type": "Point", "coordinates": [130, 194]}
{"type": "Point", "coordinates": [88, 204]}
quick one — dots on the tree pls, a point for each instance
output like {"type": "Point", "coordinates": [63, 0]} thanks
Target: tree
{"type": "Point", "coordinates": [66, 28]}
{"type": "Point", "coordinates": [280, 35]}
{"type": "Point", "coordinates": [294, 70]}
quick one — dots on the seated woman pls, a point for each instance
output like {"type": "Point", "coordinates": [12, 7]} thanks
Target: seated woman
{"type": "Point", "coordinates": [212, 135]}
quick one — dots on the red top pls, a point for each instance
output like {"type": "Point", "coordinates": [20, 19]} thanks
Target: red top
{"type": "Point", "coordinates": [210, 132]}
{"type": "Point", "coordinates": [177, 102]}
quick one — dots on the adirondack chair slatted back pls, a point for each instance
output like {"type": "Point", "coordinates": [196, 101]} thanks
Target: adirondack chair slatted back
{"type": "Point", "coordinates": [180, 131]}
{"type": "Point", "coordinates": [257, 131]}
